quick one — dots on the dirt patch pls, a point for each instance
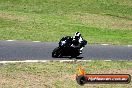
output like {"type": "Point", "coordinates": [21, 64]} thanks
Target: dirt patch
{"type": "Point", "coordinates": [23, 80]}
{"type": "Point", "coordinates": [102, 21]}
{"type": "Point", "coordinates": [71, 77]}
{"type": "Point", "coordinates": [12, 17]}
{"type": "Point", "coordinates": [5, 81]}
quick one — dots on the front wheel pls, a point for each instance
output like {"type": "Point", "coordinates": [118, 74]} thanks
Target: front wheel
{"type": "Point", "coordinates": [56, 52]}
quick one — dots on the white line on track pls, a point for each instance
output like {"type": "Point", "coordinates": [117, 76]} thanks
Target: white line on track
{"type": "Point", "coordinates": [61, 61]}
{"type": "Point", "coordinates": [24, 61]}
{"type": "Point", "coordinates": [129, 45]}
{"type": "Point", "coordinates": [107, 60]}
{"type": "Point", "coordinates": [34, 61]}
{"type": "Point", "coordinates": [104, 44]}
{"type": "Point", "coordinates": [66, 60]}
{"type": "Point", "coordinates": [36, 41]}
{"type": "Point", "coordinates": [10, 40]}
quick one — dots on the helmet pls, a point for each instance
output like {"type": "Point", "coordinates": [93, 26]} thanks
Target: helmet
{"type": "Point", "coordinates": [77, 34]}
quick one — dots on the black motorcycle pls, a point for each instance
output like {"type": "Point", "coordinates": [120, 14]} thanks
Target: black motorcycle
{"type": "Point", "coordinates": [65, 48]}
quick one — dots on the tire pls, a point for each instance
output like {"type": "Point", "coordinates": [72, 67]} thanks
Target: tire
{"type": "Point", "coordinates": [74, 56]}
{"type": "Point", "coordinates": [56, 52]}
{"type": "Point", "coordinates": [81, 80]}
{"type": "Point", "coordinates": [75, 53]}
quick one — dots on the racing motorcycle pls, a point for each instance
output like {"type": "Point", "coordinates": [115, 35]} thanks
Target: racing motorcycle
{"type": "Point", "coordinates": [65, 48]}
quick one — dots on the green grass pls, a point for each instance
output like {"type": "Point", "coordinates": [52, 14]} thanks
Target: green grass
{"type": "Point", "coordinates": [99, 21]}
{"type": "Point", "coordinates": [57, 75]}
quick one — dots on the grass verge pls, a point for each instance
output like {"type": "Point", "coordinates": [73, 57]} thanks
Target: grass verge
{"type": "Point", "coordinates": [59, 74]}
{"type": "Point", "coordinates": [99, 21]}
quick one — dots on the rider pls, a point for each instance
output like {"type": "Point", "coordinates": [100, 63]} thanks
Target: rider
{"type": "Point", "coordinates": [77, 40]}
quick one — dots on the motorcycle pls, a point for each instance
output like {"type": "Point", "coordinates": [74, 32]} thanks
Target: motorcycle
{"type": "Point", "coordinates": [65, 48]}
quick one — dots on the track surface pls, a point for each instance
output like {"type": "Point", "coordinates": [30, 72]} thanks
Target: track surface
{"type": "Point", "coordinates": [23, 50]}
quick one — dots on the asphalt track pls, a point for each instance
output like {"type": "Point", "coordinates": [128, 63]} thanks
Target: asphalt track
{"type": "Point", "coordinates": [23, 50]}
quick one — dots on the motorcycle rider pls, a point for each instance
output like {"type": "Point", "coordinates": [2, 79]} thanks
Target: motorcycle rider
{"type": "Point", "coordinates": [77, 41]}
